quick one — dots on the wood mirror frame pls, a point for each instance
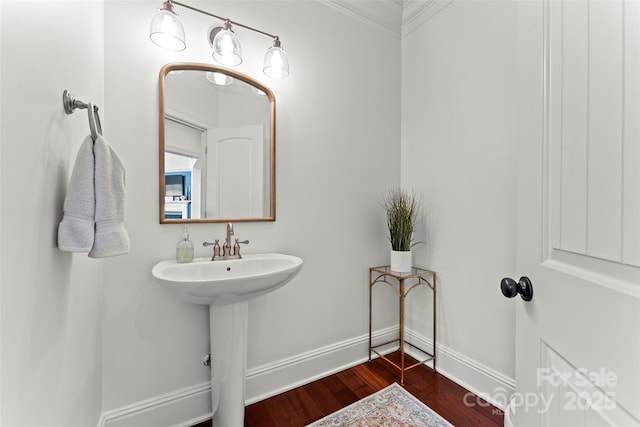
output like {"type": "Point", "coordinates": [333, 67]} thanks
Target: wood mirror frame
{"type": "Point", "coordinates": [268, 190]}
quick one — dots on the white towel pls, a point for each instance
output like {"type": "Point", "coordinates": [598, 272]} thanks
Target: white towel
{"type": "Point", "coordinates": [110, 177]}
{"type": "Point", "coordinates": [76, 230]}
{"type": "Point", "coordinates": [94, 206]}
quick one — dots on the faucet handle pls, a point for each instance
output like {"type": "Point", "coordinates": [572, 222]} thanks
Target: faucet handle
{"type": "Point", "coordinates": [209, 243]}
{"type": "Point", "coordinates": [216, 248]}
{"type": "Point", "coordinates": [236, 247]}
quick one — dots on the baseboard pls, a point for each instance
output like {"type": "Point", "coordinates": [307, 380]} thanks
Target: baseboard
{"type": "Point", "coordinates": [183, 407]}
{"type": "Point", "coordinates": [269, 380]}
{"type": "Point", "coordinates": [479, 379]}
{"type": "Point", "coordinates": [286, 374]}
{"type": "Point", "coordinates": [192, 405]}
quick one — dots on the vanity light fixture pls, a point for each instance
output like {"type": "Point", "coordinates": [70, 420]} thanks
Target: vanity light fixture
{"type": "Point", "coordinates": [167, 32]}
{"type": "Point", "coordinates": [257, 91]}
{"type": "Point", "coordinates": [226, 46]}
{"type": "Point", "coordinates": [276, 63]}
{"type": "Point", "coordinates": [219, 79]}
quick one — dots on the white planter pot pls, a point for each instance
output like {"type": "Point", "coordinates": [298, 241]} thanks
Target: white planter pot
{"type": "Point", "coordinates": [401, 261]}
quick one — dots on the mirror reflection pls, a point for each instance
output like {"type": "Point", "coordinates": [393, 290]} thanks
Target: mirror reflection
{"type": "Point", "coordinates": [217, 146]}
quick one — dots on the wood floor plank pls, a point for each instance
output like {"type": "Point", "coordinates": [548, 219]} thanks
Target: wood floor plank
{"type": "Point", "coordinates": [259, 416]}
{"type": "Point", "coordinates": [303, 404]}
{"type": "Point", "coordinates": [282, 412]}
{"type": "Point", "coordinates": [310, 402]}
{"type": "Point", "coordinates": [358, 385]}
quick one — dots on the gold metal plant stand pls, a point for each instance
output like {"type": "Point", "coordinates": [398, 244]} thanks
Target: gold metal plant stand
{"type": "Point", "coordinates": [416, 277]}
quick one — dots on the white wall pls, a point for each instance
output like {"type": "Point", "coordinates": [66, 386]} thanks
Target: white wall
{"type": "Point", "coordinates": [52, 302]}
{"type": "Point", "coordinates": [338, 149]}
{"type": "Point", "coordinates": [458, 153]}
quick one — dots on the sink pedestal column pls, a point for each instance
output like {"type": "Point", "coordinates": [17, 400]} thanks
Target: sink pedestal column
{"type": "Point", "coordinates": [228, 331]}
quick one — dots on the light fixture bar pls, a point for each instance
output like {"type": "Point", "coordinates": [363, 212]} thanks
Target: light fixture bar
{"type": "Point", "coordinates": [222, 19]}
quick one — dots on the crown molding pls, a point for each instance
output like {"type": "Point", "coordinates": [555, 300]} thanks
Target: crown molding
{"type": "Point", "coordinates": [417, 12]}
{"type": "Point", "coordinates": [384, 14]}
{"type": "Point", "coordinates": [398, 17]}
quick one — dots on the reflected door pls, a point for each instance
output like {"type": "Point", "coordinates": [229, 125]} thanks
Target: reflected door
{"type": "Point", "coordinates": [235, 157]}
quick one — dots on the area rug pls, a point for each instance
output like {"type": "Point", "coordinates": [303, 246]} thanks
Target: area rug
{"type": "Point", "coordinates": [390, 407]}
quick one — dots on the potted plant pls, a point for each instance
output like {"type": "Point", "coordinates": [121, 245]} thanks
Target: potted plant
{"type": "Point", "coordinates": [402, 212]}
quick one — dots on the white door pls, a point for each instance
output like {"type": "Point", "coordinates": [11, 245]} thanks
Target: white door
{"type": "Point", "coordinates": [578, 339]}
{"type": "Point", "coordinates": [235, 172]}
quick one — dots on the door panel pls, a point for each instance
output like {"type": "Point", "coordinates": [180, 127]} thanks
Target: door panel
{"type": "Point", "coordinates": [631, 125]}
{"type": "Point", "coordinates": [592, 148]}
{"type": "Point", "coordinates": [605, 91]}
{"type": "Point", "coordinates": [576, 397]}
{"type": "Point", "coordinates": [234, 158]}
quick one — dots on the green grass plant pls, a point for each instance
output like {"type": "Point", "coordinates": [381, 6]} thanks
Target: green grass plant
{"type": "Point", "coordinates": [402, 211]}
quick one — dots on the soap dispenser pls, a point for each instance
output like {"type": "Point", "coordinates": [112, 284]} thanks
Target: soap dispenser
{"type": "Point", "coordinates": [184, 248]}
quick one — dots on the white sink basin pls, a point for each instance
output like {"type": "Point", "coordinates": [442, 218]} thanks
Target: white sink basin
{"type": "Point", "coordinates": [226, 282]}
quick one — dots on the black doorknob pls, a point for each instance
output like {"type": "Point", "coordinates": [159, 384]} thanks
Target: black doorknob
{"type": "Point", "coordinates": [510, 288]}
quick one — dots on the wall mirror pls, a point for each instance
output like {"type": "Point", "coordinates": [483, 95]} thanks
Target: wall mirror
{"type": "Point", "coordinates": [217, 146]}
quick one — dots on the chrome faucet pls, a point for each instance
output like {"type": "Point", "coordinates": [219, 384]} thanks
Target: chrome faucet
{"type": "Point", "coordinates": [228, 251]}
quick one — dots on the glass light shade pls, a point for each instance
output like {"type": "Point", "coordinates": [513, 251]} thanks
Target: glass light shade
{"type": "Point", "coordinates": [219, 78]}
{"type": "Point", "coordinates": [276, 63]}
{"type": "Point", "coordinates": [226, 48]}
{"type": "Point", "coordinates": [258, 91]}
{"type": "Point", "coordinates": [167, 31]}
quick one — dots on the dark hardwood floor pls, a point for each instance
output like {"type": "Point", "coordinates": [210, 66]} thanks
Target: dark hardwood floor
{"type": "Point", "coordinates": [313, 401]}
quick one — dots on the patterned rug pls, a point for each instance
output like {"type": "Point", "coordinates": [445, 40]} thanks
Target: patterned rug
{"type": "Point", "coordinates": [390, 407]}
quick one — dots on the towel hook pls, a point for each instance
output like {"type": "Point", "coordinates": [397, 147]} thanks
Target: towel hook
{"type": "Point", "coordinates": [71, 103]}
{"type": "Point", "coordinates": [97, 119]}
{"type": "Point", "coordinates": [92, 122]}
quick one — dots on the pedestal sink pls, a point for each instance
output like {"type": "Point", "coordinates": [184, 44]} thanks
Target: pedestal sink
{"type": "Point", "coordinates": [226, 286]}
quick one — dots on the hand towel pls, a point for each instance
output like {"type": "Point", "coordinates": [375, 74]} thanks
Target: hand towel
{"type": "Point", "coordinates": [110, 238]}
{"type": "Point", "coordinates": [76, 230]}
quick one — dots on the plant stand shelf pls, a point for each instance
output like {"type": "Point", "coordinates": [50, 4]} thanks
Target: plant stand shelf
{"type": "Point", "coordinates": [402, 284]}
